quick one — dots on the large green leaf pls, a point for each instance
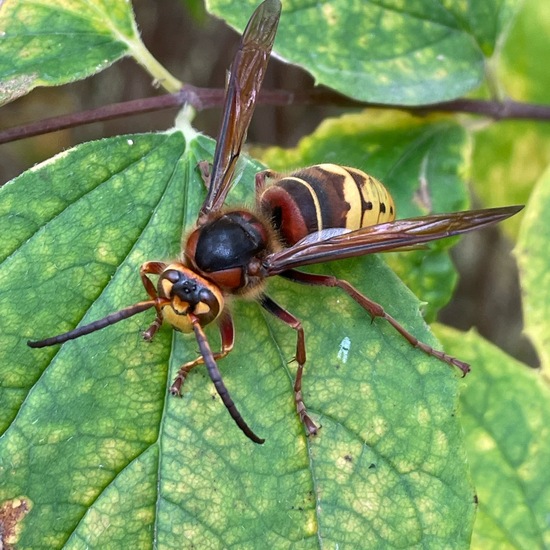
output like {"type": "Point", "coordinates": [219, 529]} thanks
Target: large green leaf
{"type": "Point", "coordinates": [389, 52]}
{"type": "Point", "coordinates": [51, 42]}
{"type": "Point", "coordinates": [423, 162]}
{"type": "Point", "coordinates": [505, 411]}
{"type": "Point", "coordinates": [103, 457]}
{"type": "Point", "coordinates": [422, 53]}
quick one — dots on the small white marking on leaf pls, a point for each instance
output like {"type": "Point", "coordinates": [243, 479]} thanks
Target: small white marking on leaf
{"type": "Point", "coordinates": [343, 351]}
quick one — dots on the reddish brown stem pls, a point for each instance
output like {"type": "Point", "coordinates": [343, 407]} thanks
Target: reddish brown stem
{"type": "Point", "coordinates": [207, 98]}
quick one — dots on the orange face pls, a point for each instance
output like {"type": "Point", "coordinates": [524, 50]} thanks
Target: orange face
{"type": "Point", "coordinates": [188, 293]}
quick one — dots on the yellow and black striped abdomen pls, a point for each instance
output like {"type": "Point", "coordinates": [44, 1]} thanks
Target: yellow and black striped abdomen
{"type": "Point", "coordinates": [324, 196]}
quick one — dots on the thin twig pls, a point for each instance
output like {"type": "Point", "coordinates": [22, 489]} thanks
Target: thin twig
{"type": "Point", "coordinates": [207, 98]}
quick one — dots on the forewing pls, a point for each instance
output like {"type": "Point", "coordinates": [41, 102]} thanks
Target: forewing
{"type": "Point", "coordinates": [247, 73]}
{"type": "Point", "coordinates": [384, 237]}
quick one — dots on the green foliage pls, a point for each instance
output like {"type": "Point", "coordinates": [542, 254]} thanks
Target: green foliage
{"type": "Point", "coordinates": [509, 157]}
{"type": "Point", "coordinates": [505, 412]}
{"type": "Point", "coordinates": [532, 255]}
{"type": "Point", "coordinates": [92, 444]}
{"type": "Point", "coordinates": [46, 43]}
{"type": "Point", "coordinates": [412, 53]}
{"type": "Point", "coordinates": [55, 42]}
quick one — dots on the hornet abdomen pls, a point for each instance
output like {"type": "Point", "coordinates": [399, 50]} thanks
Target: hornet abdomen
{"type": "Point", "coordinates": [321, 197]}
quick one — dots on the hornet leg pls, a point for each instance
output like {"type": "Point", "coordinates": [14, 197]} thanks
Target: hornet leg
{"type": "Point", "coordinates": [289, 319]}
{"type": "Point", "coordinates": [374, 310]}
{"type": "Point", "coordinates": [227, 333]}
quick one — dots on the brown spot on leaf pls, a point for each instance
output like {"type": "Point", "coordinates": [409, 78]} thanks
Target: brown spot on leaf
{"type": "Point", "coordinates": [12, 513]}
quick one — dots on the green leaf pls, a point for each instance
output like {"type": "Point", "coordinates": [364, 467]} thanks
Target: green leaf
{"type": "Point", "coordinates": [424, 164]}
{"type": "Point", "coordinates": [65, 213]}
{"type": "Point", "coordinates": [521, 73]}
{"type": "Point", "coordinates": [106, 458]}
{"type": "Point", "coordinates": [505, 411]}
{"type": "Point", "coordinates": [396, 53]}
{"type": "Point", "coordinates": [533, 260]}
{"type": "Point", "coordinates": [48, 43]}
{"type": "Point", "coordinates": [508, 159]}
{"type": "Point", "coordinates": [51, 42]}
